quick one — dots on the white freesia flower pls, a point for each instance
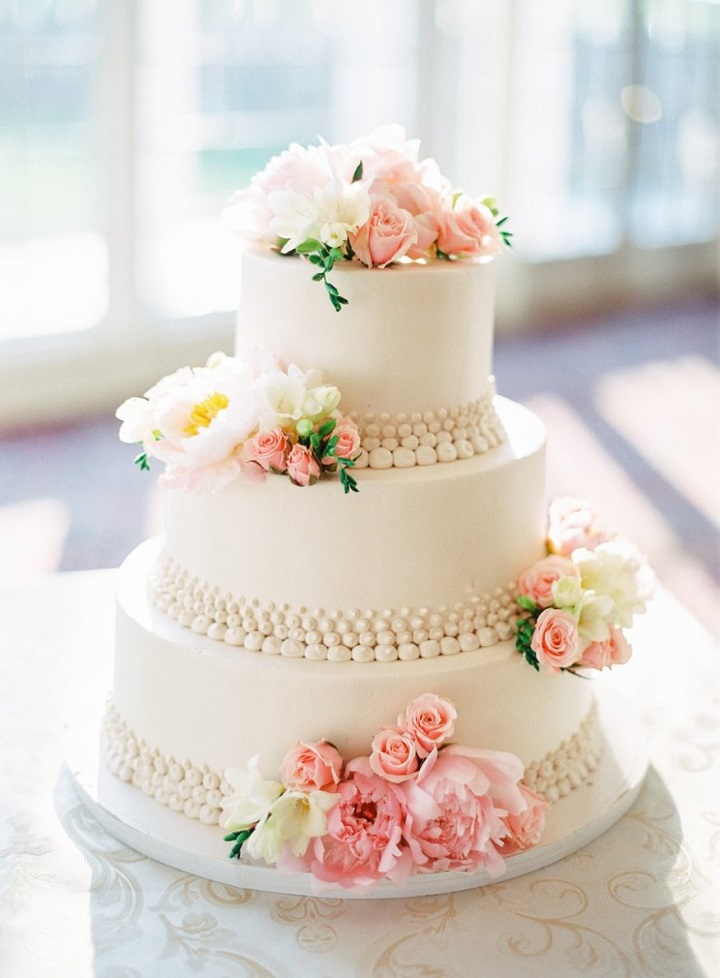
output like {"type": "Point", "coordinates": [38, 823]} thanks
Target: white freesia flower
{"type": "Point", "coordinates": [296, 818]}
{"type": "Point", "coordinates": [252, 797]}
{"type": "Point", "coordinates": [288, 397]}
{"type": "Point", "coordinates": [594, 613]}
{"type": "Point", "coordinates": [566, 592]}
{"type": "Point", "coordinates": [296, 217]}
{"type": "Point", "coordinates": [320, 402]}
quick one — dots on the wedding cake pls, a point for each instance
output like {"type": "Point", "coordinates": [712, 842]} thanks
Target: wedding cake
{"type": "Point", "coordinates": [354, 651]}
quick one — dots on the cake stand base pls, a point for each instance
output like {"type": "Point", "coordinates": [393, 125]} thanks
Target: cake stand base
{"type": "Point", "coordinates": [185, 844]}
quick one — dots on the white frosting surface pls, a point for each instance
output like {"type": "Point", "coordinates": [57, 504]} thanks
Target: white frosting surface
{"type": "Point", "coordinates": [193, 698]}
{"type": "Point", "coordinates": [408, 538]}
{"type": "Point", "coordinates": [412, 337]}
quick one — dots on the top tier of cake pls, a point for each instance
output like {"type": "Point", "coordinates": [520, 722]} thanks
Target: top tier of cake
{"type": "Point", "coordinates": [412, 338]}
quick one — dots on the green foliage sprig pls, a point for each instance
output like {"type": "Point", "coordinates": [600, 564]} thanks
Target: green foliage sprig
{"type": "Point", "coordinates": [323, 443]}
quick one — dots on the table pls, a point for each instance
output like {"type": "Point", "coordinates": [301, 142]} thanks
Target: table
{"type": "Point", "coordinates": [642, 900]}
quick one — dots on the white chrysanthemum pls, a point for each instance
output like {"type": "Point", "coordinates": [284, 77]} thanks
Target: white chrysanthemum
{"type": "Point", "coordinates": [252, 797]}
{"type": "Point", "coordinates": [329, 214]}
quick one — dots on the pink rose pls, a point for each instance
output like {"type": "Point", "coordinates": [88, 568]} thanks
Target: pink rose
{"type": "Point", "coordinates": [468, 231]}
{"type": "Point", "coordinates": [386, 235]}
{"type": "Point", "coordinates": [364, 833]}
{"type": "Point", "coordinates": [312, 767]}
{"type": "Point", "coordinates": [393, 755]}
{"type": "Point", "coordinates": [573, 523]}
{"type": "Point", "coordinates": [348, 441]}
{"type": "Point", "coordinates": [555, 639]}
{"type": "Point", "coordinates": [302, 466]}
{"type": "Point", "coordinates": [613, 652]}
{"type": "Point", "coordinates": [525, 828]}
{"type": "Point", "coordinates": [536, 582]}
{"type": "Point", "coordinates": [456, 807]}
{"type": "Point", "coordinates": [426, 227]}
{"type": "Point", "coordinates": [430, 721]}
{"type": "Point", "coordinates": [269, 449]}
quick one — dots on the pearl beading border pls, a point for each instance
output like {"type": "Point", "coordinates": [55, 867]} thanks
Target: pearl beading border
{"type": "Point", "coordinates": [336, 636]}
{"type": "Point", "coordinates": [197, 791]}
{"type": "Point", "coordinates": [405, 440]}
{"type": "Point", "coordinates": [571, 764]}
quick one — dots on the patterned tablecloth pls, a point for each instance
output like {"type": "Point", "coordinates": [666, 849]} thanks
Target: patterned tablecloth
{"type": "Point", "coordinates": [643, 900]}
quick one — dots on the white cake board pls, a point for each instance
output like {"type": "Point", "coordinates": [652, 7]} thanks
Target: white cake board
{"type": "Point", "coordinates": [188, 845]}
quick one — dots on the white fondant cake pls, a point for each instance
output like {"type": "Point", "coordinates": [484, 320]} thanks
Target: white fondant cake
{"type": "Point", "coordinates": [279, 611]}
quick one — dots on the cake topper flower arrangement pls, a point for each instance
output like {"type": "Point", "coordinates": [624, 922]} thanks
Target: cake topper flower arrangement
{"type": "Point", "coordinates": [241, 416]}
{"type": "Point", "coordinates": [371, 201]}
{"type": "Point", "coordinates": [416, 804]}
{"type": "Point", "coordinates": [578, 600]}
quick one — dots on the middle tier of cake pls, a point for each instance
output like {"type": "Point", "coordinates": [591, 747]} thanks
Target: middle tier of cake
{"type": "Point", "coordinates": [424, 538]}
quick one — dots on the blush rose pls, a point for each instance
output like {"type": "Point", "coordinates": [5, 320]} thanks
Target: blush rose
{"type": "Point", "coordinates": [430, 720]}
{"type": "Point", "coordinates": [468, 231]}
{"type": "Point", "coordinates": [302, 466]}
{"type": "Point", "coordinates": [386, 236]}
{"type": "Point", "coordinates": [312, 767]}
{"type": "Point", "coordinates": [537, 582]}
{"type": "Point", "coordinates": [348, 441]}
{"type": "Point", "coordinates": [613, 652]}
{"type": "Point", "coordinates": [269, 449]}
{"type": "Point", "coordinates": [555, 640]}
{"type": "Point", "coordinates": [393, 755]}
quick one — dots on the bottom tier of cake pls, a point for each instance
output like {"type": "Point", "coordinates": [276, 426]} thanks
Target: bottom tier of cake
{"type": "Point", "coordinates": [186, 708]}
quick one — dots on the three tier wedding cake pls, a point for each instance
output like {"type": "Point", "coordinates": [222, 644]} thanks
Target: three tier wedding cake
{"type": "Point", "coordinates": [355, 650]}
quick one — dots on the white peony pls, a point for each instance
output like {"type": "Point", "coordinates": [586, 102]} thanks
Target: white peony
{"type": "Point", "coordinates": [616, 570]}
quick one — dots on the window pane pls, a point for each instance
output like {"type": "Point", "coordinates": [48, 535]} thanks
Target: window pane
{"type": "Point", "coordinates": [224, 85]}
{"type": "Point", "coordinates": [50, 169]}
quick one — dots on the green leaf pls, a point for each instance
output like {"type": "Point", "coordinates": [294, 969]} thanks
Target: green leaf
{"type": "Point", "coordinates": [327, 427]}
{"type": "Point", "coordinates": [336, 254]}
{"type": "Point", "coordinates": [501, 221]}
{"type": "Point", "coordinates": [312, 244]}
{"type": "Point", "coordinates": [318, 276]}
{"type": "Point", "coordinates": [357, 175]}
{"type": "Point", "coordinates": [316, 259]}
{"type": "Point", "coordinates": [527, 603]}
{"type": "Point", "coordinates": [142, 462]}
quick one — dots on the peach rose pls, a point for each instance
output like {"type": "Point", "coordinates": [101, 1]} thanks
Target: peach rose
{"type": "Point", "coordinates": [386, 235]}
{"type": "Point", "coordinates": [614, 652]}
{"type": "Point", "coordinates": [555, 640]}
{"type": "Point", "coordinates": [348, 441]}
{"type": "Point", "coordinates": [430, 720]}
{"type": "Point", "coordinates": [537, 582]}
{"type": "Point", "coordinates": [302, 466]}
{"type": "Point", "coordinates": [269, 449]}
{"type": "Point", "coordinates": [467, 231]}
{"type": "Point", "coordinates": [394, 755]}
{"type": "Point", "coordinates": [525, 829]}
{"type": "Point", "coordinates": [312, 767]}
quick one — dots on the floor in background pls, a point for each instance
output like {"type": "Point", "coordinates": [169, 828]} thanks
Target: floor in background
{"type": "Point", "coordinates": [632, 407]}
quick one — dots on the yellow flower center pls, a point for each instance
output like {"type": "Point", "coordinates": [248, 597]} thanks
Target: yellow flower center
{"type": "Point", "coordinates": [203, 413]}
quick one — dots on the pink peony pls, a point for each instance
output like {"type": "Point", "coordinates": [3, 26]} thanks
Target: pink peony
{"type": "Point", "coordinates": [555, 639]}
{"type": "Point", "coordinates": [456, 807]}
{"type": "Point", "coordinates": [525, 828]}
{"type": "Point", "coordinates": [536, 582]}
{"type": "Point", "coordinates": [430, 721]}
{"type": "Point", "coordinates": [614, 652]}
{"type": "Point", "coordinates": [302, 466]}
{"type": "Point", "coordinates": [573, 523]}
{"type": "Point", "coordinates": [394, 755]}
{"type": "Point", "coordinates": [364, 833]}
{"type": "Point", "coordinates": [269, 449]}
{"type": "Point", "coordinates": [386, 236]}
{"type": "Point", "coordinates": [348, 441]}
{"type": "Point", "coordinates": [468, 231]}
{"type": "Point", "coordinates": [312, 767]}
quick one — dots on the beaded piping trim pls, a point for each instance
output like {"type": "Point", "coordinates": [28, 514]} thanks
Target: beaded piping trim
{"type": "Point", "coordinates": [404, 440]}
{"type": "Point", "coordinates": [338, 636]}
{"type": "Point", "coordinates": [197, 791]}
